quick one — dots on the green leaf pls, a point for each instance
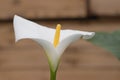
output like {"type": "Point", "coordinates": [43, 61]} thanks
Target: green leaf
{"type": "Point", "coordinates": [109, 41]}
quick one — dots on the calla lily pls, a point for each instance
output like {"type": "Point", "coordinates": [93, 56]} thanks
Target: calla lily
{"type": "Point", "coordinates": [54, 42]}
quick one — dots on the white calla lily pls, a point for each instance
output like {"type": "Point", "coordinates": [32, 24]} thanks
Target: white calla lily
{"type": "Point", "coordinates": [45, 37]}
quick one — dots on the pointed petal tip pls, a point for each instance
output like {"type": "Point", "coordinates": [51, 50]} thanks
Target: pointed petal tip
{"type": "Point", "coordinates": [16, 16]}
{"type": "Point", "coordinates": [16, 22]}
{"type": "Point", "coordinates": [89, 36]}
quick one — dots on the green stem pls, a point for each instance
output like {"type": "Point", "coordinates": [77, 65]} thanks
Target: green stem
{"type": "Point", "coordinates": [52, 70]}
{"type": "Point", "coordinates": [52, 74]}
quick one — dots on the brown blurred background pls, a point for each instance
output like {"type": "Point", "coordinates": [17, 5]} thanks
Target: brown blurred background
{"type": "Point", "coordinates": [82, 60]}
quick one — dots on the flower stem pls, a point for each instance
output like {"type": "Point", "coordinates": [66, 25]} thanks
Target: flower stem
{"type": "Point", "coordinates": [52, 74]}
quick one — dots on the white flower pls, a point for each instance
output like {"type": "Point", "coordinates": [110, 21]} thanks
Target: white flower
{"type": "Point", "coordinates": [45, 37]}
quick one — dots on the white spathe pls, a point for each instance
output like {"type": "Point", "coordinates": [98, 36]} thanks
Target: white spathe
{"type": "Point", "coordinates": [45, 36]}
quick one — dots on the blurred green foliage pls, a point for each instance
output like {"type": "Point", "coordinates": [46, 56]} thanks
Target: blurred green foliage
{"type": "Point", "coordinates": [109, 41]}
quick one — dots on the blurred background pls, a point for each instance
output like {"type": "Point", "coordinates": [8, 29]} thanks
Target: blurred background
{"type": "Point", "coordinates": [82, 60]}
